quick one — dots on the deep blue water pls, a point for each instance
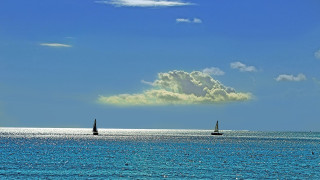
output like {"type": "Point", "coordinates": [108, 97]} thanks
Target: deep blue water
{"type": "Point", "coordinates": [157, 154]}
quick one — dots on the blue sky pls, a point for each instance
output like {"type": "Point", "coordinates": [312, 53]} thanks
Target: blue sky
{"type": "Point", "coordinates": [64, 63]}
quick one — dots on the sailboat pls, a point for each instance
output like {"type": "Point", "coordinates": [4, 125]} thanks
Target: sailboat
{"type": "Point", "coordinates": [216, 130]}
{"type": "Point", "coordinates": [95, 130]}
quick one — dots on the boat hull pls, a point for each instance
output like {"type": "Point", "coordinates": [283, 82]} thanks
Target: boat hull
{"type": "Point", "coordinates": [216, 133]}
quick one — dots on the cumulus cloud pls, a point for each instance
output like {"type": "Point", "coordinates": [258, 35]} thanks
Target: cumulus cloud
{"type": "Point", "coordinates": [317, 54]}
{"type": "Point", "coordinates": [287, 77]}
{"type": "Point", "coordinates": [55, 45]}
{"type": "Point", "coordinates": [145, 3]}
{"type": "Point", "coordinates": [184, 20]}
{"type": "Point", "coordinates": [213, 71]}
{"type": "Point", "coordinates": [179, 87]}
{"type": "Point", "coordinates": [242, 67]}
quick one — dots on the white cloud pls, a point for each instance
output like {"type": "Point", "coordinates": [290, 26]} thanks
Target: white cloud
{"type": "Point", "coordinates": [145, 3]}
{"type": "Point", "coordinates": [197, 20]}
{"type": "Point", "coordinates": [316, 81]}
{"type": "Point", "coordinates": [287, 77]}
{"type": "Point", "coordinates": [317, 54]}
{"type": "Point", "coordinates": [242, 67]}
{"type": "Point", "coordinates": [55, 45]}
{"type": "Point", "coordinates": [184, 20]}
{"type": "Point", "coordinates": [179, 87]}
{"type": "Point", "coordinates": [147, 82]}
{"type": "Point", "coordinates": [213, 71]}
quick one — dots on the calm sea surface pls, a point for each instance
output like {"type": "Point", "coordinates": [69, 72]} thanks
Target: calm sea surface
{"type": "Point", "coordinates": [48, 153]}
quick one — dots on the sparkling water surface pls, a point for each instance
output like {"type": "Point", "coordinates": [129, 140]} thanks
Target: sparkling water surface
{"type": "Point", "coordinates": [52, 153]}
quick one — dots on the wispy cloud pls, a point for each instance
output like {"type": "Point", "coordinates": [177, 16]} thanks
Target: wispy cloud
{"type": "Point", "coordinates": [179, 87]}
{"type": "Point", "coordinates": [55, 45]}
{"type": "Point", "coordinates": [184, 20]}
{"type": "Point", "coordinates": [213, 71]}
{"type": "Point", "coordinates": [317, 54]}
{"type": "Point", "coordinates": [145, 3]}
{"type": "Point", "coordinates": [289, 77]}
{"type": "Point", "coordinates": [147, 82]}
{"type": "Point", "coordinates": [315, 80]}
{"type": "Point", "coordinates": [197, 20]}
{"type": "Point", "coordinates": [242, 67]}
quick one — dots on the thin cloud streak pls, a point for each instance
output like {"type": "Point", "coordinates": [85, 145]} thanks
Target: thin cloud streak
{"type": "Point", "coordinates": [55, 45]}
{"type": "Point", "coordinates": [317, 81]}
{"type": "Point", "coordinates": [317, 54]}
{"type": "Point", "coordinates": [289, 77]}
{"type": "Point", "coordinates": [145, 3]}
{"type": "Point", "coordinates": [147, 82]}
{"type": "Point", "coordinates": [184, 20]}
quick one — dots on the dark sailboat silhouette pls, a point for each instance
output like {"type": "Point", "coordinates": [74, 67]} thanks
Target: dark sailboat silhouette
{"type": "Point", "coordinates": [95, 130]}
{"type": "Point", "coordinates": [216, 130]}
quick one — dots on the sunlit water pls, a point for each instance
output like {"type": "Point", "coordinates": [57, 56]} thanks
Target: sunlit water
{"type": "Point", "coordinates": [49, 153]}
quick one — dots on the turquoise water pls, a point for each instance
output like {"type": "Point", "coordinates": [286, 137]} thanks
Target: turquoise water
{"type": "Point", "coordinates": [28, 153]}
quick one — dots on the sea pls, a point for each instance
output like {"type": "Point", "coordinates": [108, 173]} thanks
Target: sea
{"type": "Point", "coordinates": [69, 153]}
